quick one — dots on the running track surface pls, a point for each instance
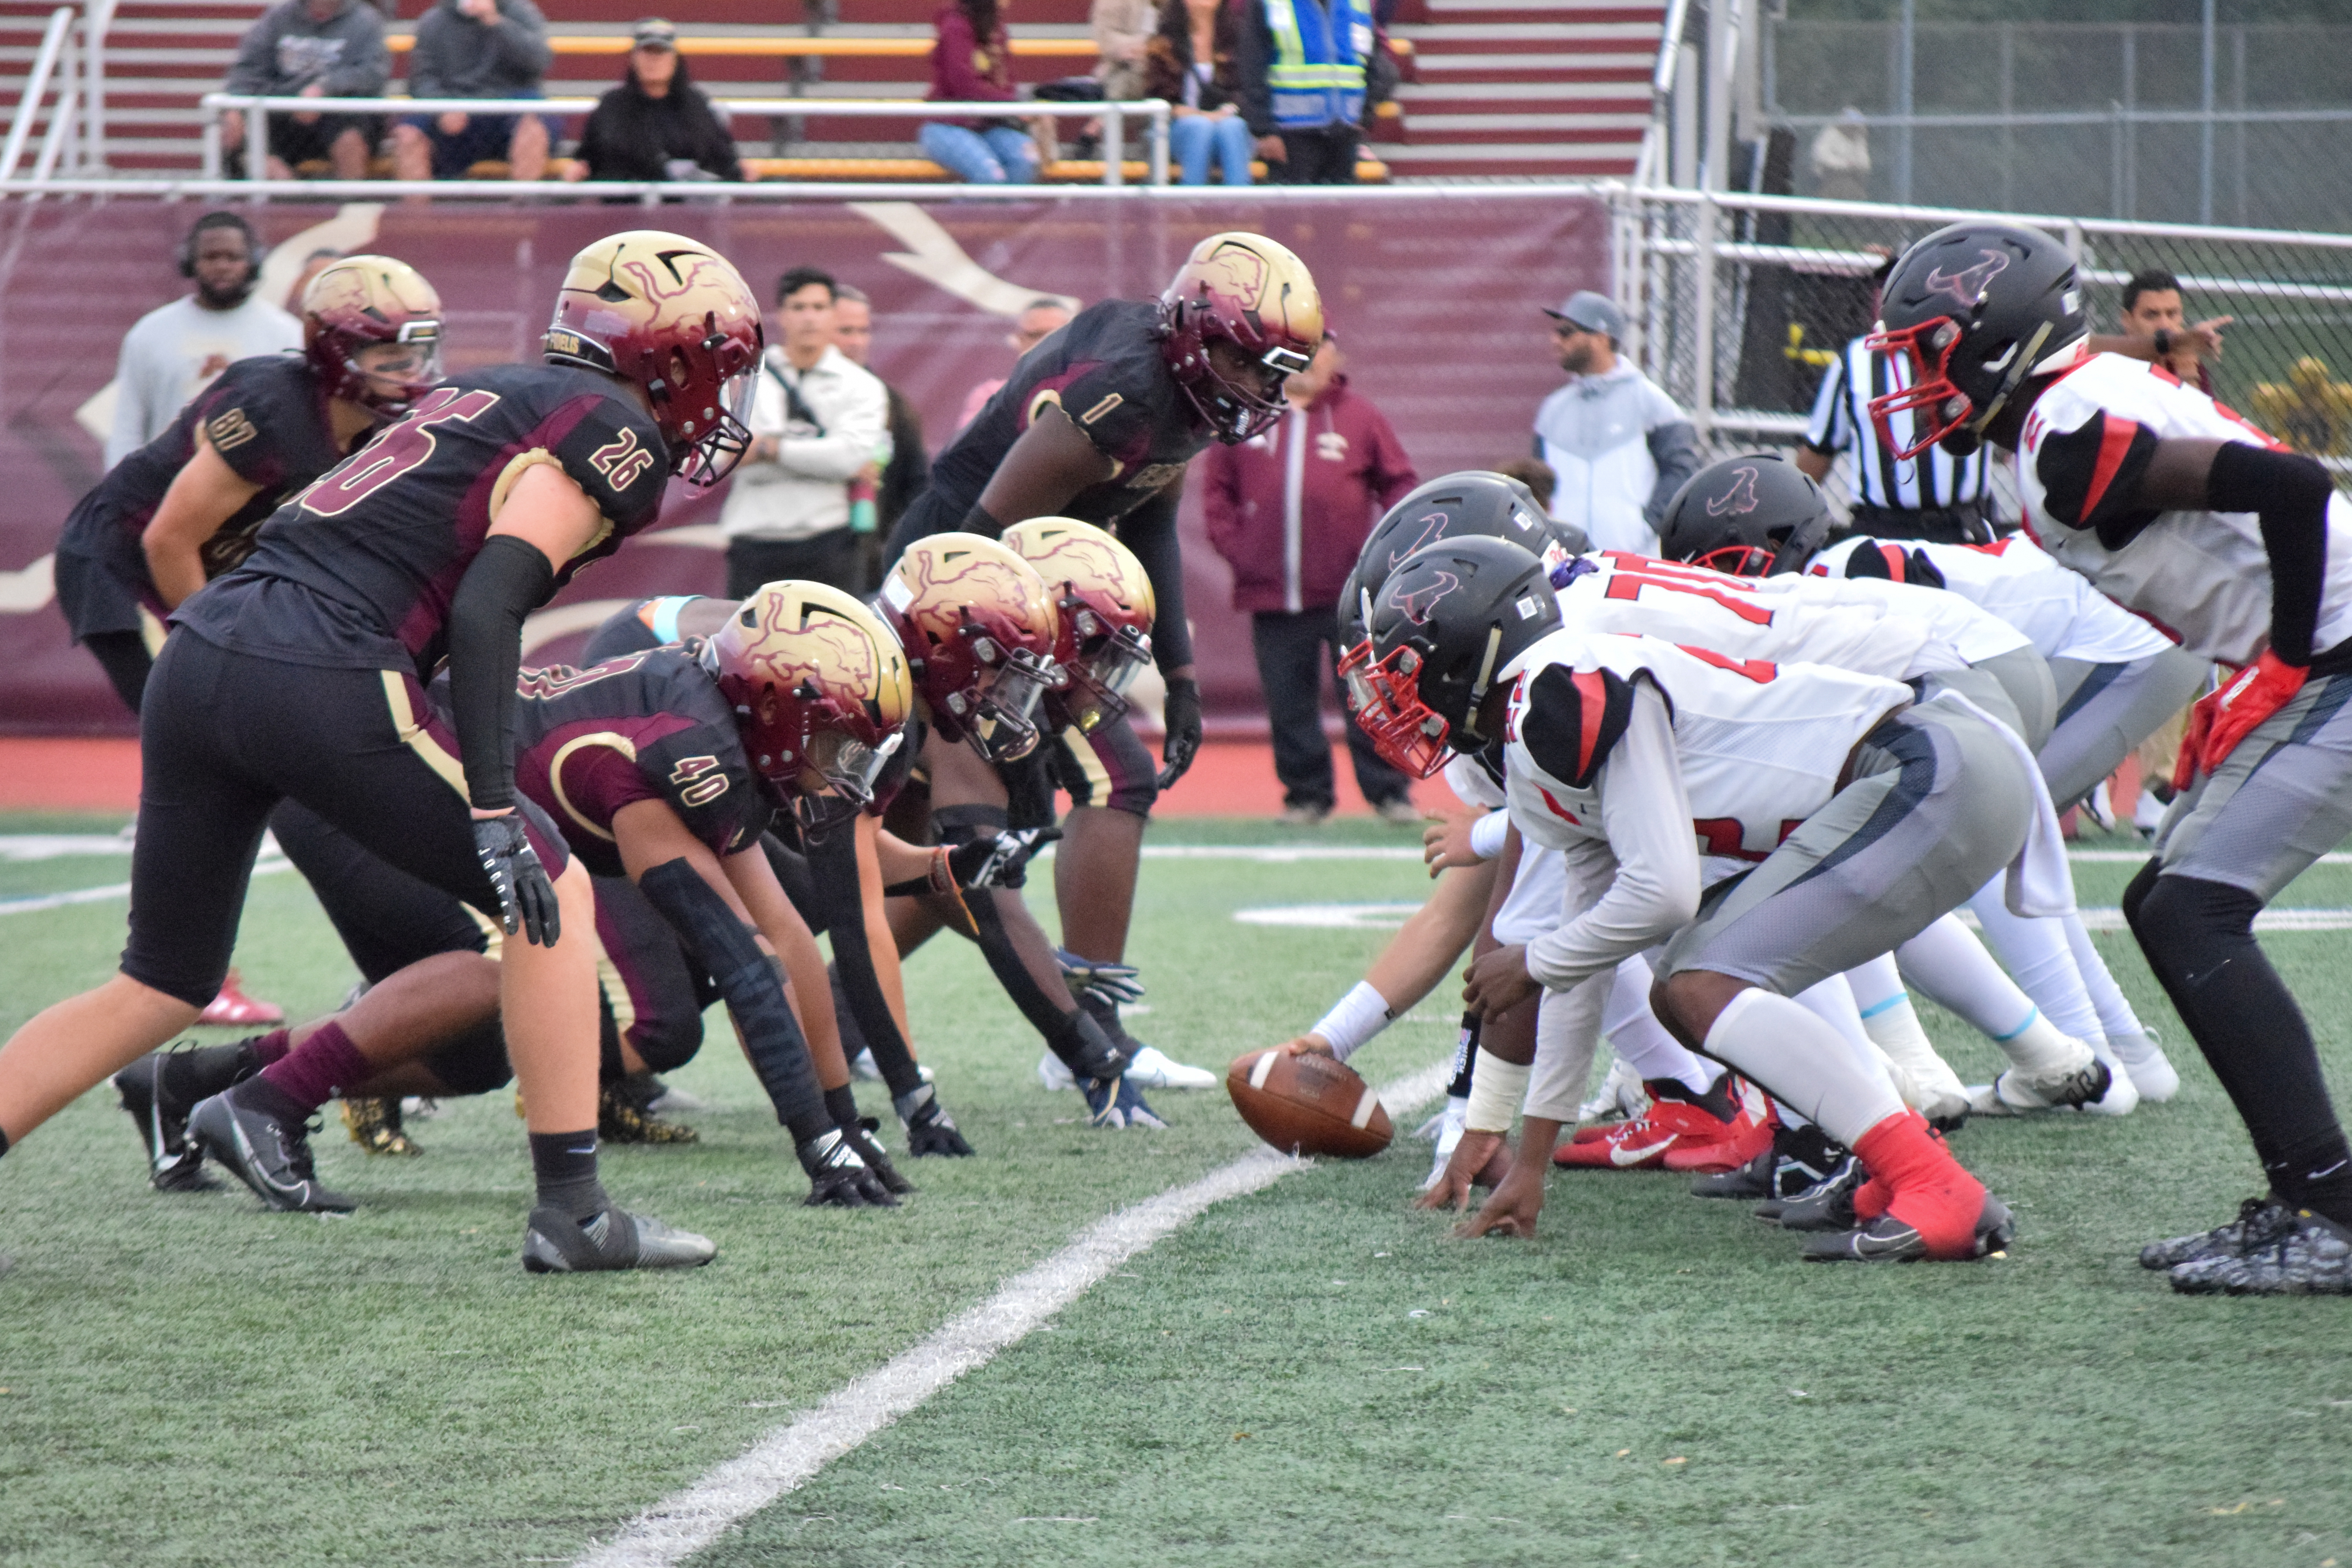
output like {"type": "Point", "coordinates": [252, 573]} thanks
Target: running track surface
{"type": "Point", "coordinates": [1231, 778]}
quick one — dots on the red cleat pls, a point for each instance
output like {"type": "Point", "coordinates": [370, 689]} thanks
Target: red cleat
{"type": "Point", "coordinates": [233, 1009]}
{"type": "Point", "coordinates": [1677, 1135]}
{"type": "Point", "coordinates": [1751, 1134]}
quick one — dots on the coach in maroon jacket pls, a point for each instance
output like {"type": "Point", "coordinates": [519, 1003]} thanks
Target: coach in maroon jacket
{"type": "Point", "coordinates": [1289, 511]}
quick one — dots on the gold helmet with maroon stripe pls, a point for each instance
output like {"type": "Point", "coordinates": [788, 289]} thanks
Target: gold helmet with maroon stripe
{"type": "Point", "coordinates": [672, 317]}
{"type": "Point", "coordinates": [819, 685]}
{"type": "Point", "coordinates": [1240, 317]}
{"type": "Point", "coordinates": [1106, 606]}
{"type": "Point", "coordinates": [979, 626]}
{"type": "Point", "coordinates": [357, 303]}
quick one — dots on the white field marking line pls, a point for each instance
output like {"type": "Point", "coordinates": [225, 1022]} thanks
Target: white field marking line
{"type": "Point", "coordinates": [40, 901]}
{"type": "Point", "coordinates": [2110, 919]}
{"type": "Point", "coordinates": [790, 1455]}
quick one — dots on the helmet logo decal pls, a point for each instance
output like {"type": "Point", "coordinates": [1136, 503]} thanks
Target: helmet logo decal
{"type": "Point", "coordinates": [1420, 604]}
{"type": "Point", "coordinates": [1237, 271]}
{"type": "Point", "coordinates": [1739, 498]}
{"type": "Point", "coordinates": [833, 655]}
{"type": "Point", "coordinates": [1969, 285]}
{"type": "Point", "coordinates": [948, 582]}
{"type": "Point", "coordinates": [1433, 528]}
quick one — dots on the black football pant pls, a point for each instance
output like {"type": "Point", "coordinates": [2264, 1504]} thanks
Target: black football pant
{"type": "Point", "coordinates": [224, 737]}
{"type": "Point", "coordinates": [1292, 649]}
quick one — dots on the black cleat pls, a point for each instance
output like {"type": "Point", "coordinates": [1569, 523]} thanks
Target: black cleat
{"type": "Point", "coordinates": [374, 1125]}
{"type": "Point", "coordinates": [625, 1113]}
{"type": "Point", "coordinates": [173, 1164]}
{"type": "Point", "coordinates": [1753, 1180]}
{"type": "Point", "coordinates": [2310, 1255]}
{"type": "Point", "coordinates": [929, 1128]}
{"type": "Point", "coordinates": [1800, 1158]}
{"type": "Point", "coordinates": [1813, 1183]}
{"type": "Point", "coordinates": [1888, 1241]}
{"type": "Point", "coordinates": [268, 1153]}
{"type": "Point", "coordinates": [555, 1243]}
{"type": "Point", "coordinates": [2259, 1220]}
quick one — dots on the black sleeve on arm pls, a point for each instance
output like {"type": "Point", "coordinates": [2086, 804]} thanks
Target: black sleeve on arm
{"type": "Point", "coordinates": [1150, 531]}
{"type": "Point", "coordinates": [833, 859]}
{"type": "Point", "coordinates": [752, 989]}
{"type": "Point", "coordinates": [506, 582]}
{"type": "Point", "coordinates": [2288, 494]}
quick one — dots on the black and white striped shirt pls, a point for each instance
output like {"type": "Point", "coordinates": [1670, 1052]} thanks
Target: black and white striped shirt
{"type": "Point", "coordinates": [1841, 423]}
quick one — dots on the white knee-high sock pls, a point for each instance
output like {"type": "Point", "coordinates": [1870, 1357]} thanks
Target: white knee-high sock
{"type": "Point", "coordinates": [2040, 959]}
{"type": "Point", "coordinates": [2116, 1016]}
{"type": "Point", "coordinates": [1804, 1063]}
{"type": "Point", "coordinates": [1636, 1036]}
{"type": "Point", "coordinates": [1947, 962]}
{"type": "Point", "coordinates": [1833, 1002]}
{"type": "Point", "coordinates": [1927, 1080]}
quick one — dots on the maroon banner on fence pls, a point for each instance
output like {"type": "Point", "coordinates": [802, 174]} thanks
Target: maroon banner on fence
{"type": "Point", "coordinates": [1438, 301]}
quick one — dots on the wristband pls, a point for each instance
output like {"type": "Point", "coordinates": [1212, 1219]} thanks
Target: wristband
{"type": "Point", "coordinates": [1496, 1087]}
{"type": "Point", "coordinates": [1486, 833]}
{"type": "Point", "coordinates": [1359, 1015]}
{"type": "Point", "coordinates": [661, 616]}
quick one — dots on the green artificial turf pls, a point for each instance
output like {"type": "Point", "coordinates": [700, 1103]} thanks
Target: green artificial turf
{"type": "Point", "coordinates": [191, 1381]}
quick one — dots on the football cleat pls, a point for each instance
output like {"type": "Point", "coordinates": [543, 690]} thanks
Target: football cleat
{"type": "Point", "coordinates": [2309, 1255]}
{"type": "Point", "coordinates": [2015, 1093]}
{"type": "Point", "coordinates": [2260, 1220]}
{"type": "Point", "coordinates": [838, 1177]}
{"type": "Point", "coordinates": [1620, 1098]}
{"type": "Point", "coordinates": [1678, 1135]}
{"type": "Point", "coordinates": [1800, 1159]}
{"type": "Point", "coordinates": [1151, 1068]}
{"type": "Point", "coordinates": [1825, 1205]}
{"type": "Point", "coordinates": [174, 1164]}
{"type": "Point", "coordinates": [268, 1152]}
{"type": "Point", "coordinates": [1888, 1241]}
{"type": "Point", "coordinates": [2122, 1096]}
{"type": "Point", "coordinates": [1118, 1103]}
{"type": "Point", "coordinates": [1446, 1127]}
{"type": "Point", "coordinates": [233, 1009]}
{"type": "Point", "coordinates": [625, 1113]}
{"type": "Point", "coordinates": [929, 1128]}
{"type": "Point", "coordinates": [1748, 1182]}
{"type": "Point", "coordinates": [553, 1242]}
{"type": "Point", "coordinates": [374, 1126]}
{"type": "Point", "coordinates": [2152, 1072]}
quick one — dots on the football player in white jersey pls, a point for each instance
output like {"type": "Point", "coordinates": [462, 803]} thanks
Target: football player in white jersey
{"type": "Point", "coordinates": [1627, 754]}
{"type": "Point", "coordinates": [2182, 512]}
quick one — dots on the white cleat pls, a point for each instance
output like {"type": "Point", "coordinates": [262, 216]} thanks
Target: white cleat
{"type": "Point", "coordinates": [2123, 1095]}
{"type": "Point", "coordinates": [1151, 1068]}
{"type": "Point", "coordinates": [1621, 1097]}
{"type": "Point", "coordinates": [1447, 1124]}
{"type": "Point", "coordinates": [2018, 1093]}
{"type": "Point", "coordinates": [2152, 1073]}
{"type": "Point", "coordinates": [861, 1066]}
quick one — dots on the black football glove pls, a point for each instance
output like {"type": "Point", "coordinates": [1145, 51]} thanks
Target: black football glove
{"type": "Point", "coordinates": [860, 1136]}
{"type": "Point", "coordinates": [1001, 861]}
{"type": "Point", "coordinates": [929, 1128]}
{"type": "Point", "coordinates": [838, 1178]}
{"type": "Point", "coordinates": [525, 898]}
{"type": "Point", "coordinates": [1107, 983]}
{"type": "Point", "coordinates": [1183, 742]}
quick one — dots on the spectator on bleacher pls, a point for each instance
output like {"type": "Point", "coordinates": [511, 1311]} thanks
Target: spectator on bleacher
{"type": "Point", "coordinates": [817, 421]}
{"type": "Point", "coordinates": [909, 468]}
{"type": "Point", "coordinates": [1618, 445]}
{"type": "Point", "coordinates": [312, 48]}
{"type": "Point", "coordinates": [1122, 28]}
{"type": "Point", "coordinates": [1190, 63]}
{"type": "Point", "coordinates": [1289, 509]}
{"type": "Point", "coordinates": [970, 63]}
{"type": "Point", "coordinates": [1040, 318]}
{"type": "Point", "coordinates": [656, 125]}
{"type": "Point", "coordinates": [173, 351]}
{"type": "Point", "coordinates": [1301, 70]}
{"type": "Point", "coordinates": [474, 48]}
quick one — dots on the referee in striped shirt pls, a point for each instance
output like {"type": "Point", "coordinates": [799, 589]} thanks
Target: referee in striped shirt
{"type": "Point", "coordinates": [1936, 496]}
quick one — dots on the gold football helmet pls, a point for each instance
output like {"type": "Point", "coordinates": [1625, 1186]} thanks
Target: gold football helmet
{"type": "Point", "coordinates": [978, 626]}
{"type": "Point", "coordinates": [1252, 295]}
{"type": "Point", "coordinates": [672, 317]}
{"type": "Point", "coordinates": [358, 302]}
{"type": "Point", "coordinates": [820, 687]}
{"type": "Point", "coordinates": [1105, 607]}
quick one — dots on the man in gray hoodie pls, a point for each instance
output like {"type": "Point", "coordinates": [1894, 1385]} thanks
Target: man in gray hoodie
{"type": "Point", "coordinates": [474, 48]}
{"type": "Point", "coordinates": [312, 48]}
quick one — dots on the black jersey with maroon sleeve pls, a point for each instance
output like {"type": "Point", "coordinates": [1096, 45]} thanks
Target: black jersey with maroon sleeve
{"type": "Point", "coordinates": [266, 418]}
{"type": "Point", "coordinates": [359, 570]}
{"type": "Point", "coordinates": [646, 726]}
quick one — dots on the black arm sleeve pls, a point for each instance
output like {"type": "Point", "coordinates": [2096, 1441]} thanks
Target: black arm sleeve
{"type": "Point", "coordinates": [2288, 494]}
{"type": "Point", "coordinates": [986, 524]}
{"type": "Point", "coordinates": [753, 991]}
{"type": "Point", "coordinates": [1150, 531]}
{"type": "Point", "coordinates": [506, 582]}
{"type": "Point", "coordinates": [833, 862]}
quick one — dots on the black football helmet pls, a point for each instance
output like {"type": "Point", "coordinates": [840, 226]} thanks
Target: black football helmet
{"type": "Point", "coordinates": [1755, 516]}
{"type": "Point", "coordinates": [1445, 626]}
{"type": "Point", "coordinates": [1473, 503]}
{"type": "Point", "coordinates": [1973, 310]}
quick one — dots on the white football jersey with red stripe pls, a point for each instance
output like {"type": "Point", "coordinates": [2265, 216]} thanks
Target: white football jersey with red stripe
{"type": "Point", "coordinates": [2203, 577]}
{"type": "Point", "coordinates": [2016, 579]}
{"type": "Point", "coordinates": [1617, 594]}
{"type": "Point", "coordinates": [1976, 634]}
{"type": "Point", "coordinates": [1761, 745]}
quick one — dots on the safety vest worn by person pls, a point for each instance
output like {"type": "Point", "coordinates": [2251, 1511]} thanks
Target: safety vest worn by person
{"type": "Point", "coordinates": [1317, 77]}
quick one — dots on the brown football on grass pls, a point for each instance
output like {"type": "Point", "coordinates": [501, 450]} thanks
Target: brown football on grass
{"type": "Point", "coordinates": [1308, 1104]}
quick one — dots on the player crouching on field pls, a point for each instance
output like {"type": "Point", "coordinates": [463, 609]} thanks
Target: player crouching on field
{"type": "Point", "coordinates": [1615, 746]}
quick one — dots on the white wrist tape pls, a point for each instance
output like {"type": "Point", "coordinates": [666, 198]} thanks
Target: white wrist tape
{"type": "Point", "coordinates": [1486, 833]}
{"type": "Point", "coordinates": [1496, 1087]}
{"type": "Point", "coordinates": [1361, 1015]}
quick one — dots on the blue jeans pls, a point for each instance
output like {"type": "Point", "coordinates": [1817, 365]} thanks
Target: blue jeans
{"type": "Point", "coordinates": [998, 156]}
{"type": "Point", "coordinates": [1191, 138]}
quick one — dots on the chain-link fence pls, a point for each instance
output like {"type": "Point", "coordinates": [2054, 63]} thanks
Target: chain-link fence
{"type": "Point", "coordinates": [1741, 304]}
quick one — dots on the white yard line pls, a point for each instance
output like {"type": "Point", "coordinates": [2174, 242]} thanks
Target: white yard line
{"type": "Point", "coordinates": [789, 1456]}
{"type": "Point", "coordinates": [38, 902]}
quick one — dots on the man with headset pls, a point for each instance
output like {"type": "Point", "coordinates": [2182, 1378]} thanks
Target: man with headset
{"type": "Point", "coordinates": [173, 351]}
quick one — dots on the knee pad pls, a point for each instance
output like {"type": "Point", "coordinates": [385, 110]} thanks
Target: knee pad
{"type": "Point", "coordinates": [669, 1045]}
{"type": "Point", "coordinates": [474, 1062]}
{"type": "Point", "coordinates": [2188, 929]}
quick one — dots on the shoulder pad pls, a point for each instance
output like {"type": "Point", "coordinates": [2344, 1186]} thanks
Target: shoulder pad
{"type": "Point", "coordinates": [1574, 718]}
{"type": "Point", "coordinates": [2087, 472]}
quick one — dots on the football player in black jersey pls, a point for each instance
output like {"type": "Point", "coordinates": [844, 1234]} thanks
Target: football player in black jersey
{"type": "Point", "coordinates": [1097, 423]}
{"type": "Point", "coordinates": [298, 674]}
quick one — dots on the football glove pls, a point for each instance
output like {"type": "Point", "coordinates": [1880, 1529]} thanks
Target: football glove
{"type": "Point", "coordinates": [859, 1136]}
{"type": "Point", "coordinates": [1117, 1103]}
{"type": "Point", "coordinates": [525, 898]}
{"type": "Point", "coordinates": [929, 1128]}
{"type": "Point", "coordinates": [1181, 714]}
{"type": "Point", "coordinates": [999, 862]}
{"type": "Point", "coordinates": [1106, 982]}
{"type": "Point", "coordinates": [838, 1178]}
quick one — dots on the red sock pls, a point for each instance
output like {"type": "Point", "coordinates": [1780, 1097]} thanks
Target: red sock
{"type": "Point", "coordinates": [320, 1068]}
{"type": "Point", "coordinates": [1927, 1189]}
{"type": "Point", "coordinates": [273, 1046]}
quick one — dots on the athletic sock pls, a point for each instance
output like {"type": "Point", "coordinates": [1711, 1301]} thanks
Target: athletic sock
{"type": "Point", "coordinates": [1923, 1185]}
{"type": "Point", "coordinates": [2037, 1046]}
{"type": "Point", "coordinates": [2317, 1177]}
{"type": "Point", "coordinates": [1893, 1024]}
{"type": "Point", "coordinates": [563, 1164]}
{"type": "Point", "coordinates": [2116, 1019]}
{"type": "Point", "coordinates": [2040, 959]}
{"type": "Point", "coordinates": [265, 1049]}
{"type": "Point", "coordinates": [1640, 1041]}
{"type": "Point", "coordinates": [1947, 965]}
{"type": "Point", "coordinates": [1466, 1058]}
{"type": "Point", "coordinates": [1798, 1058]}
{"type": "Point", "coordinates": [319, 1069]}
